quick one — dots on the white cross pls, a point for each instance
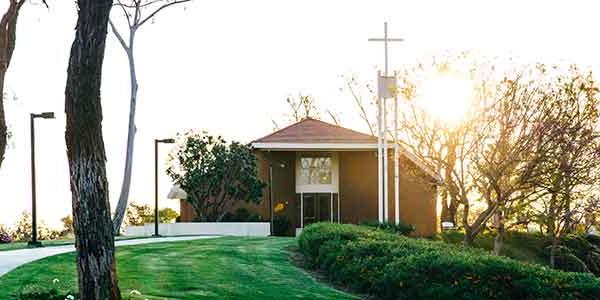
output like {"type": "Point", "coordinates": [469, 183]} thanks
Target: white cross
{"type": "Point", "coordinates": [382, 156]}
{"type": "Point", "coordinates": [385, 41]}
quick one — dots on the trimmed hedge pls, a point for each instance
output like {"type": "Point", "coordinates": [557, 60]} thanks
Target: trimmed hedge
{"type": "Point", "coordinates": [390, 266]}
{"type": "Point", "coordinates": [400, 228]}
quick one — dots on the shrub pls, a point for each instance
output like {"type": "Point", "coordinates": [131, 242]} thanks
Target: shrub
{"type": "Point", "coordinates": [5, 238]}
{"type": "Point", "coordinates": [140, 214]}
{"type": "Point", "coordinates": [593, 239]}
{"type": "Point", "coordinates": [391, 266]}
{"type": "Point", "coordinates": [38, 292]}
{"type": "Point", "coordinates": [241, 215]}
{"type": "Point", "coordinates": [566, 260]}
{"type": "Point", "coordinates": [43, 294]}
{"type": "Point", "coordinates": [401, 228]}
{"type": "Point", "coordinates": [281, 226]}
{"type": "Point", "coordinates": [581, 252]}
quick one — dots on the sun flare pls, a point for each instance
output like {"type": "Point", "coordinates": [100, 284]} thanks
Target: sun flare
{"type": "Point", "coordinates": [447, 98]}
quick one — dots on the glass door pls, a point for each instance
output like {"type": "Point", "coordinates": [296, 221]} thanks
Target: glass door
{"type": "Point", "coordinates": [309, 208]}
{"type": "Point", "coordinates": [319, 207]}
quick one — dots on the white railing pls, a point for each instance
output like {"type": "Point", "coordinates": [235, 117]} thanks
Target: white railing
{"type": "Point", "coordinates": [202, 228]}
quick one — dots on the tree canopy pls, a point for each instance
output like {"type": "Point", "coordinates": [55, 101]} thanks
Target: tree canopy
{"type": "Point", "coordinates": [215, 174]}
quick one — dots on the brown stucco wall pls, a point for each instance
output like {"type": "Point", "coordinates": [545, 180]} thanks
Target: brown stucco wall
{"type": "Point", "coordinates": [358, 190]}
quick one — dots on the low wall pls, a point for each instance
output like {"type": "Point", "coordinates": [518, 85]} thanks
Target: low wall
{"type": "Point", "coordinates": [202, 228]}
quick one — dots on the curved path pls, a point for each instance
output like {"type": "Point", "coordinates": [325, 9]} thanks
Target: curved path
{"type": "Point", "coordinates": [14, 258]}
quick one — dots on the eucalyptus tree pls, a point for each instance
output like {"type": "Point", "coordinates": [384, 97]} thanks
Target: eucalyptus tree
{"type": "Point", "coordinates": [136, 13]}
{"type": "Point", "coordinates": [8, 37]}
{"type": "Point", "coordinates": [94, 239]}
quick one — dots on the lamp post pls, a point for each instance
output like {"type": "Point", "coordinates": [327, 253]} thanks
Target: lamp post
{"type": "Point", "coordinates": [156, 142]}
{"type": "Point", "coordinates": [271, 209]}
{"type": "Point", "coordinates": [45, 115]}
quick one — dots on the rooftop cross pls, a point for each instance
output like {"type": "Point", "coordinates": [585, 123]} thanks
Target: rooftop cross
{"type": "Point", "coordinates": [385, 41]}
{"type": "Point", "coordinates": [386, 89]}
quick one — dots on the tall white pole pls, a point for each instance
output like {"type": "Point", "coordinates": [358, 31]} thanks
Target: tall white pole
{"type": "Point", "coordinates": [301, 210]}
{"type": "Point", "coordinates": [379, 160]}
{"type": "Point", "coordinates": [386, 177]}
{"type": "Point", "coordinates": [386, 196]}
{"type": "Point", "coordinates": [382, 130]}
{"type": "Point", "coordinates": [396, 162]}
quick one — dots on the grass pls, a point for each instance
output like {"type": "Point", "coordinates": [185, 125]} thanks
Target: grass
{"type": "Point", "coordinates": [221, 268]}
{"type": "Point", "coordinates": [525, 247]}
{"type": "Point", "coordinates": [51, 243]}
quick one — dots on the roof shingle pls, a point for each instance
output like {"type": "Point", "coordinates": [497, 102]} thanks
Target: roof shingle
{"type": "Point", "coordinates": [315, 131]}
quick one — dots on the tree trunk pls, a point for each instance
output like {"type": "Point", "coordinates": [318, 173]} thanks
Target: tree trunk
{"type": "Point", "coordinates": [468, 239]}
{"type": "Point", "coordinates": [126, 185]}
{"type": "Point", "coordinates": [94, 240]}
{"type": "Point", "coordinates": [3, 127]}
{"type": "Point", "coordinates": [469, 235]}
{"type": "Point", "coordinates": [8, 29]}
{"type": "Point", "coordinates": [449, 208]}
{"type": "Point", "coordinates": [499, 238]}
{"type": "Point", "coordinates": [450, 201]}
{"type": "Point", "coordinates": [553, 248]}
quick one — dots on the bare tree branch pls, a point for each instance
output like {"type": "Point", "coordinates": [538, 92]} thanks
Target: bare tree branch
{"type": "Point", "coordinates": [159, 9]}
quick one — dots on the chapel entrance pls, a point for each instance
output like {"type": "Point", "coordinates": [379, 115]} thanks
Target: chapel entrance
{"type": "Point", "coordinates": [319, 207]}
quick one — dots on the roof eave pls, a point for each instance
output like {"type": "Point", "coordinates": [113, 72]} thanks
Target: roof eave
{"type": "Point", "coordinates": [313, 146]}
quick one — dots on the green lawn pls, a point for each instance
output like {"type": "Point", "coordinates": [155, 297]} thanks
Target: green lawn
{"type": "Point", "coordinates": [221, 268]}
{"type": "Point", "coordinates": [23, 245]}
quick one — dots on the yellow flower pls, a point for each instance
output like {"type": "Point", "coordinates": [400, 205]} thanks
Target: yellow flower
{"type": "Point", "coordinates": [279, 207]}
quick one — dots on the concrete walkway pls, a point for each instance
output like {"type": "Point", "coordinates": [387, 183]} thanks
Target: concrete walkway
{"type": "Point", "coordinates": [14, 258]}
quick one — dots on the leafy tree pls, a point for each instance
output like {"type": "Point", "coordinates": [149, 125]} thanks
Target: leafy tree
{"type": "Point", "coordinates": [22, 229]}
{"type": "Point", "coordinates": [511, 124]}
{"type": "Point", "coordinates": [167, 215]}
{"type": "Point", "coordinates": [567, 153]}
{"type": "Point", "coordinates": [448, 148]}
{"type": "Point", "coordinates": [94, 239]}
{"type": "Point", "coordinates": [215, 174]}
{"type": "Point", "coordinates": [140, 214]}
{"type": "Point", "coordinates": [482, 157]}
{"type": "Point", "coordinates": [67, 229]}
{"type": "Point", "coordinates": [136, 13]}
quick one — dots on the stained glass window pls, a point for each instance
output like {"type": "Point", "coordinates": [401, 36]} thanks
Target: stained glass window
{"type": "Point", "coordinates": [316, 170]}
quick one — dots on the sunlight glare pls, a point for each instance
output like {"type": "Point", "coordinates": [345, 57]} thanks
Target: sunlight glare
{"type": "Point", "coordinates": [447, 98]}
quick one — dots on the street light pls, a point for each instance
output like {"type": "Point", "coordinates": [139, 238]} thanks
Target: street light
{"type": "Point", "coordinates": [156, 142]}
{"type": "Point", "coordinates": [45, 115]}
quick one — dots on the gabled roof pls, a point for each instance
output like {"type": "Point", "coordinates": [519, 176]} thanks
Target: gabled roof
{"type": "Point", "coordinates": [315, 131]}
{"type": "Point", "coordinates": [312, 134]}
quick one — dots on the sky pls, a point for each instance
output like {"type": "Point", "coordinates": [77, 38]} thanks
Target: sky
{"type": "Point", "coordinates": [227, 66]}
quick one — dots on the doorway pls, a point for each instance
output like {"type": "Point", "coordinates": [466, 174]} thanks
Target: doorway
{"type": "Point", "coordinates": [318, 207]}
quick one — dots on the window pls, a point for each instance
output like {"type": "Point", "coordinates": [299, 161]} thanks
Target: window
{"type": "Point", "coordinates": [316, 170]}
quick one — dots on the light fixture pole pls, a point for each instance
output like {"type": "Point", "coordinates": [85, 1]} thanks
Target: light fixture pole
{"type": "Point", "coordinates": [34, 241]}
{"type": "Point", "coordinates": [156, 142]}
